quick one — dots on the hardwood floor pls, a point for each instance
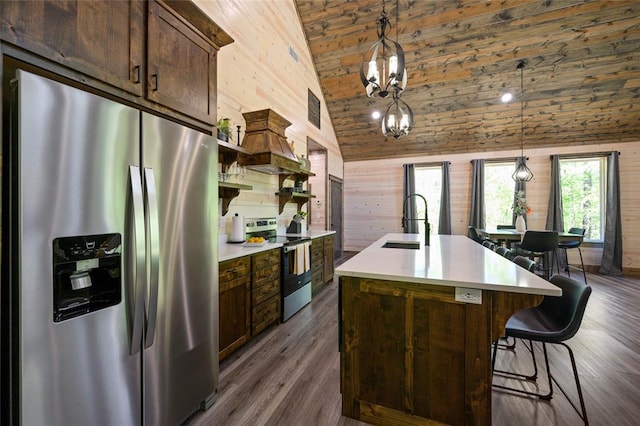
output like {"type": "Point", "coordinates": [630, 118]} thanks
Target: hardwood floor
{"type": "Point", "coordinates": [290, 374]}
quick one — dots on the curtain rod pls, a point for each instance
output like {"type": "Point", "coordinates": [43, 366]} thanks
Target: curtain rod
{"type": "Point", "coordinates": [435, 163]}
{"type": "Point", "coordinates": [501, 160]}
{"type": "Point", "coordinates": [586, 155]}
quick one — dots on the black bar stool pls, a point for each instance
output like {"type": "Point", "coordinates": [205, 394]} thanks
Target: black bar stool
{"type": "Point", "coordinates": [541, 245]}
{"type": "Point", "coordinates": [554, 321]}
{"type": "Point", "coordinates": [573, 245]}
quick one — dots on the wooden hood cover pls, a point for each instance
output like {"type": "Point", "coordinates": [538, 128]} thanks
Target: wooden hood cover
{"type": "Point", "coordinates": [264, 139]}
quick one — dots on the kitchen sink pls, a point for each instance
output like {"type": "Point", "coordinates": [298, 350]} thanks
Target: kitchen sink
{"type": "Point", "coordinates": [412, 245]}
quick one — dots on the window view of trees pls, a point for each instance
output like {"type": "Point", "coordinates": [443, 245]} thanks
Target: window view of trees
{"type": "Point", "coordinates": [498, 193]}
{"type": "Point", "coordinates": [583, 194]}
{"type": "Point", "coordinates": [429, 185]}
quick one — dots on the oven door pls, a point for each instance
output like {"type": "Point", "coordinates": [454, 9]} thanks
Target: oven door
{"type": "Point", "coordinates": [294, 275]}
{"type": "Point", "coordinates": [296, 280]}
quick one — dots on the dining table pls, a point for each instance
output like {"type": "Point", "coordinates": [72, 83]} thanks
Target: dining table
{"type": "Point", "coordinates": [512, 235]}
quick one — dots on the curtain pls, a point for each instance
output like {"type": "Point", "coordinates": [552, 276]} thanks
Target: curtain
{"type": "Point", "coordinates": [611, 263]}
{"type": "Point", "coordinates": [444, 226]}
{"type": "Point", "coordinates": [408, 188]}
{"type": "Point", "coordinates": [476, 216]}
{"type": "Point", "coordinates": [519, 186]}
{"type": "Point", "coordinates": [555, 220]}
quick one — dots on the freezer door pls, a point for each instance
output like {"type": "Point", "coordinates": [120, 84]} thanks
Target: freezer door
{"type": "Point", "coordinates": [74, 152]}
{"type": "Point", "coordinates": [181, 363]}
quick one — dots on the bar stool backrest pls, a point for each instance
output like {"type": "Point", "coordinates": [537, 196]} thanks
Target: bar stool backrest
{"type": "Point", "coordinates": [539, 241]}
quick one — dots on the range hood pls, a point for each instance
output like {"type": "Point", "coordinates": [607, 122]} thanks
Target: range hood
{"type": "Point", "coordinates": [264, 139]}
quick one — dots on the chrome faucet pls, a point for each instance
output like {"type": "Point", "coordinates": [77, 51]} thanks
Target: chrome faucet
{"type": "Point", "coordinates": [405, 219]}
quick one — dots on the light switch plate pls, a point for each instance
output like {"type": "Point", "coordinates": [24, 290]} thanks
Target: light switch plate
{"type": "Point", "coordinates": [469, 295]}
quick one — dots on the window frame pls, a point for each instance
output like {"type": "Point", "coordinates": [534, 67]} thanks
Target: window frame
{"type": "Point", "coordinates": [434, 222]}
{"type": "Point", "coordinates": [512, 163]}
{"type": "Point", "coordinates": [602, 188]}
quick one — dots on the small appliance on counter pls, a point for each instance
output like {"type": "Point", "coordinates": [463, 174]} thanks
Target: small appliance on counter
{"type": "Point", "coordinates": [237, 229]}
{"type": "Point", "coordinates": [295, 227]}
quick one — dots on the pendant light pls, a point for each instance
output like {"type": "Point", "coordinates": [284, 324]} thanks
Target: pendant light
{"type": "Point", "coordinates": [398, 119]}
{"type": "Point", "coordinates": [522, 172]}
{"type": "Point", "coordinates": [382, 70]}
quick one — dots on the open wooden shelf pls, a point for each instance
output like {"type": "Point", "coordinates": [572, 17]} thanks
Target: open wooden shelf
{"type": "Point", "coordinates": [299, 198]}
{"type": "Point", "coordinates": [227, 191]}
{"type": "Point", "coordinates": [228, 154]}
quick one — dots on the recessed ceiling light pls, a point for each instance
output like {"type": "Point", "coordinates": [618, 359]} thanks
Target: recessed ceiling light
{"type": "Point", "coordinates": [375, 115]}
{"type": "Point", "coordinates": [506, 97]}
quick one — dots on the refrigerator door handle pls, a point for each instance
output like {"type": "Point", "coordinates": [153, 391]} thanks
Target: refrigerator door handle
{"type": "Point", "coordinates": [153, 245]}
{"type": "Point", "coordinates": [137, 291]}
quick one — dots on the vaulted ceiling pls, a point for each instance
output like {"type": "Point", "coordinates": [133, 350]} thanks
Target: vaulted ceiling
{"type": "Point", "coordinates": [581, 79]}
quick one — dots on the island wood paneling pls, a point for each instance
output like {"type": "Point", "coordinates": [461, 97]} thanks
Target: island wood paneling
{"type": "Point", "coordinates": [268, 66]}
{"type": "Point", "coordinates": [411, 352]}
{"type": "Point", "coordinates": [373, 197]}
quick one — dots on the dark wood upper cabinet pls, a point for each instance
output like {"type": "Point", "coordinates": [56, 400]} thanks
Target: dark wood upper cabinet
{"type": "Point", "coordinates": [161, 54]}
{"type": "Point", "coordinates": [103, 39]}
{"type": "Point", "coordinates": [173, 46]}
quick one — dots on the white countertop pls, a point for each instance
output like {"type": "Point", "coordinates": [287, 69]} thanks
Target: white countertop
{"type": "Point", "coordinates": [228, 251]}
{"type": "Point", "coordinates": [313, 233]}
{"type": "Point", "coordinates": [450, 260]}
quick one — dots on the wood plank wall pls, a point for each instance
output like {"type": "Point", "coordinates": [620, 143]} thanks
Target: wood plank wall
{"type": "Point", "coordinates": [318, 185]}
{"type": "Point", "coordinates": [258, 71]}
{"type": "Point", "coordinates": [373, 196]}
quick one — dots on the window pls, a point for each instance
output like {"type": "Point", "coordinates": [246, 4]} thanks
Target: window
{"type": "Point", "coordinates": [583, 186]}
{"type": "Point", "coordinates": [499, 187]}
{"type": "Point", "coordinates": [429, 185]}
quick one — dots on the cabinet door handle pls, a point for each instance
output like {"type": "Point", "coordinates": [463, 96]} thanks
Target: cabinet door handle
{"type": "Point", "coordinates": [136, 71]}
{"type": "Point", "coordinates": [155, 82]}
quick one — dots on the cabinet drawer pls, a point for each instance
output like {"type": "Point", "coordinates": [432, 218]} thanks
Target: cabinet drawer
{"type": "Point", "coordinates": [266, 276]}
{"type": "Point", "coordinates": [265, 314]}
{"type": "Point", "coordinates": [262, 293]}
{"type": "Point", "coordinates": [316, 250]}
{"type": "Point", "coordinates": [265, 259]}
{"type": "Point", "coordinates": [234, 268]}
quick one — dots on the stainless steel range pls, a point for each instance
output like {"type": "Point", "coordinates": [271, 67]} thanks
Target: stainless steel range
{"type": "Point", "coordinates": [295, 265]}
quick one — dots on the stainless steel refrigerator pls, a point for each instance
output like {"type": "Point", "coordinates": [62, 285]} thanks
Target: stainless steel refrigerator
{"type": "Point", "coordinates": [114, 264]}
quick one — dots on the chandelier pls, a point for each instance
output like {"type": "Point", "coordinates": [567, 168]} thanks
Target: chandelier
{"type": "Point", "coordinates": [398, 119]}
{"type": "Point", "coordinates": [522, 172]}
{"type": "Point", "coordinates": [382, 69]}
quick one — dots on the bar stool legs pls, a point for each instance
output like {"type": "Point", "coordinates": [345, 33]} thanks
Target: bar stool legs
{"type": "Point", "coordinates": [568, 267]}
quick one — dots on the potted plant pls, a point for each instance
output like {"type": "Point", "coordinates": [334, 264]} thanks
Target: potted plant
{"type": "Point", "coordinates": [224, 129]}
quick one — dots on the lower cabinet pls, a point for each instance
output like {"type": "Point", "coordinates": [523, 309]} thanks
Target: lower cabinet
{"type": "Point", "coordinates": [317, 265]}
{"type": "Point", "coordinates": [234, 322]}
{"type": "Point", "coordinates": [328, 258]}
{"type": "Point", "coordinates": [265, 290]}
{"type": "Point", "coordinates": [322, 268]}
{"type": "Point", "coordinates": [249, 298]}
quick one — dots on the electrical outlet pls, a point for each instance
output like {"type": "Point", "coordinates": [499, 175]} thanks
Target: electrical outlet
{"type": "Point", "coordinates": [469, 295]}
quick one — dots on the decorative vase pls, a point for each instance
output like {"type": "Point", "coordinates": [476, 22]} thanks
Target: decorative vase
{"type": "Point", "coordinates": [521, 225]}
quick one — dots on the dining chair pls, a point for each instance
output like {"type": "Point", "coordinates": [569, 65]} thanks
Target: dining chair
{"type": "Point", "coordinates": [564, 245]}
{"type": "Point", "coordinates": [525, 262]}
{"type": "Point", "coordinates": [554, 321]}
{"type": "Point", "coordinates": [473, 234]}
{"type": "Point", "coordinates": [540, 245]}
{"type": "Point", "coordinates": [489, 244]}
{"type": "Point", "coordinates": [504, 252]}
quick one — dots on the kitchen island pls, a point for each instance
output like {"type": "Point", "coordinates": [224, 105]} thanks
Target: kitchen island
{"type": "Point", "coordinates": [416, 326]}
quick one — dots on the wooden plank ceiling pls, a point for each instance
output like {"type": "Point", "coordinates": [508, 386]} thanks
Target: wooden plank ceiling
{"type": "Point", "coordinates": [581, 80]}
